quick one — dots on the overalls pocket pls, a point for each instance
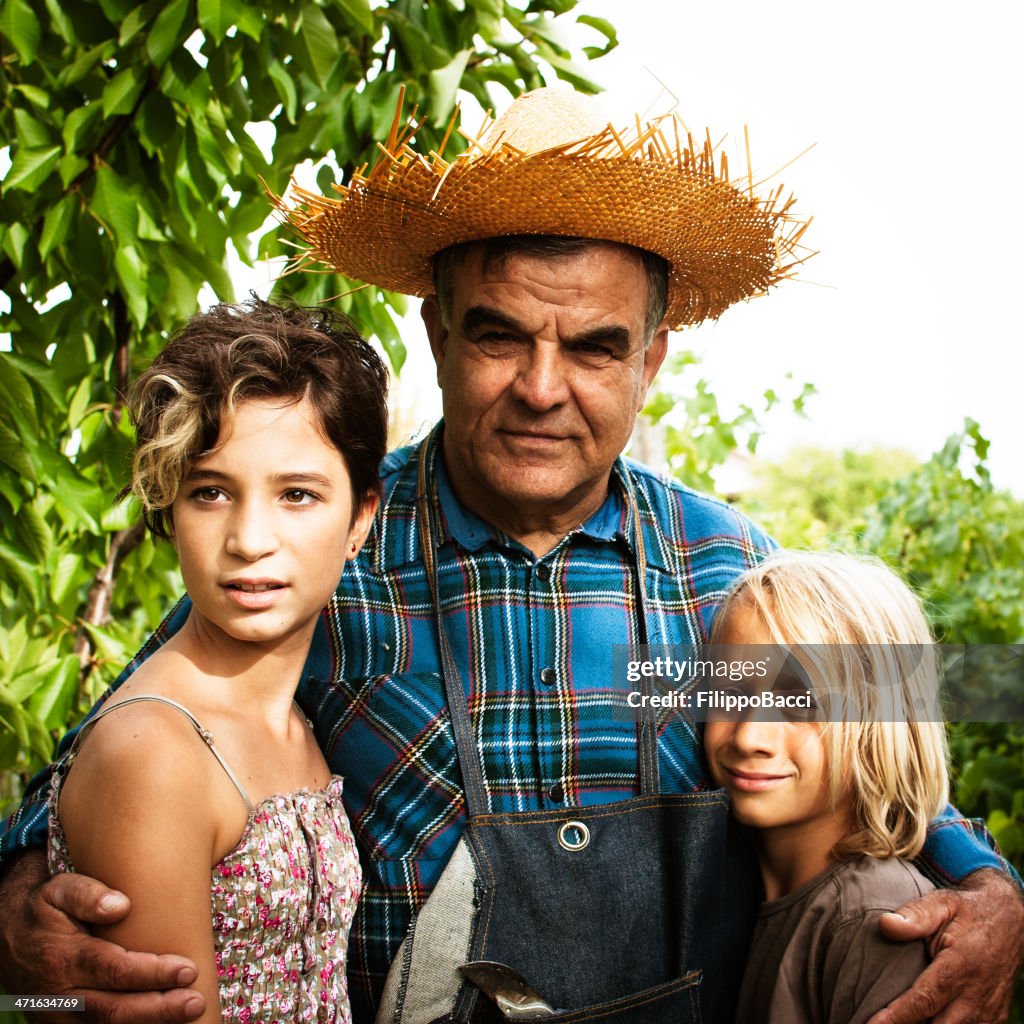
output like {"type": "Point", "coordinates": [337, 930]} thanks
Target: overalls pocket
{"type": "Point", "coordinates": [675, 1001]}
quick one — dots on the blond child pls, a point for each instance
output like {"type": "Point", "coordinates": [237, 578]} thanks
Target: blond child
{"type": "Point", "coordinates": [839, 802]}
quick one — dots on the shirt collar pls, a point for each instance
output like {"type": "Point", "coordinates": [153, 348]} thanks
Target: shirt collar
{"type": "Point", "coordinates": [471, 532]}
{"type": "Point", "coordinates": [396, 537]}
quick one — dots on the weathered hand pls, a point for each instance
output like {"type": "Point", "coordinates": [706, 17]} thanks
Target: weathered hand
{"type": "Point", "coordinates": [46, 948]}
{"type": "Point", "coordinates": [976, 938]}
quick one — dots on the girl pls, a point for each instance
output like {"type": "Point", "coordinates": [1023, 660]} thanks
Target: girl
{"type": "Point", "coordinates": [835, 806]}
{"type": "Point", "coordinates": [199, 790]}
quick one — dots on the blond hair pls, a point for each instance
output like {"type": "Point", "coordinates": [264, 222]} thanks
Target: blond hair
{"type": "Point", "coordinates": [875, 657]}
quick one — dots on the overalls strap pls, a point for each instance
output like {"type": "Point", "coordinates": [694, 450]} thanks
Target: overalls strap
{"type": "Point", "coordinates": [428, 506]}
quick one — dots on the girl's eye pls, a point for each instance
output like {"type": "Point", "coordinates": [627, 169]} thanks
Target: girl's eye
{"type": "Point", "coordinates": [208, 495]}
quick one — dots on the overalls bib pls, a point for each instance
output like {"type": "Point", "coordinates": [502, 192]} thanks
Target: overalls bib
{"type": "Point", "coordinates": [634, 912]}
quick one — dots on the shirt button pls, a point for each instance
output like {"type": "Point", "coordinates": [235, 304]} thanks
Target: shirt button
{"type": "Point", "coordinates": [556, 794]}
{"type": "Point", "coordinates": [548, 676]}
{"type": "Point", "coordinates": [543, 573]}
{"type": "Point", "coordinates": [322, 1013]}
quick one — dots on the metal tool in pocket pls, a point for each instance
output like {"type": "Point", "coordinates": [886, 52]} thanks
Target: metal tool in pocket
{"type": "Point", "coordinates": [508, 989]}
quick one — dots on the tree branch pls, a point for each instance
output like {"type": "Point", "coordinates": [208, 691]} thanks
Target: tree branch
{"type": "Point", "coordinates": [97, 607]}
{"type": "Point", "coordinates": [122, 351]}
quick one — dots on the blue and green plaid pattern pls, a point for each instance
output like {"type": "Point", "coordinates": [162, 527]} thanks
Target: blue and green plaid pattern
{"type": "Point", "coordinates": [533, 639]}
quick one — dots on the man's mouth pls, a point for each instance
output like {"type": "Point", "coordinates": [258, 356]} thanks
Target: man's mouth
{"type": "Point", "coordinates": [534, 435]}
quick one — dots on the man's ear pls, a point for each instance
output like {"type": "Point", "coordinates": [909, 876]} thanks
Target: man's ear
{"type": "Point", "coordinates": [654, 355]}
{"type": "Point", "coordinates": [361, 525]}
{"type": "Point", "coordinates": [437, 333]}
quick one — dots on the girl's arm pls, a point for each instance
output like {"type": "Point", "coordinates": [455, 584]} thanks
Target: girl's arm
{"type": "Point", "coordinates": [139, 813]}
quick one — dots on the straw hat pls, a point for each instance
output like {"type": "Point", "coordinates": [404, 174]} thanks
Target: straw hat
{"type": "Point", "coordinates": [552, 164]}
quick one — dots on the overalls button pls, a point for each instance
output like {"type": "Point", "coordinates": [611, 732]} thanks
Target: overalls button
{"type": "Point", "coordinates": [548, 676]}
{"type": "Point", "coordinates": [556, 793]}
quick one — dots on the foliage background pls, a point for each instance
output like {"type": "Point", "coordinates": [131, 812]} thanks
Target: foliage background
{"type": "Point", "coordinates": [132, 174]}
{"type": "Point", "coordinates": [133, 170]}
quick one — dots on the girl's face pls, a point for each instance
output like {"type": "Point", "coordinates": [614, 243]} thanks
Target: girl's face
{"type": "Point", "coordinates": [775, 771]}
{"type": "Point", "coordinates": [264, 525]}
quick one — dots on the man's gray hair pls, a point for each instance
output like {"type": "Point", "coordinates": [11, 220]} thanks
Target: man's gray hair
{"type": "Point", "coordinates": [497, 250]}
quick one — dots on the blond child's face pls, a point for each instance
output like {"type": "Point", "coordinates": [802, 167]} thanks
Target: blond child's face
{"type": "Point", "coordinates": [776, 771]}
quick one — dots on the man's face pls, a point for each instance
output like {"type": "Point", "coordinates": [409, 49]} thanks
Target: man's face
{"type": "Point", "coordinates": [543, 370]}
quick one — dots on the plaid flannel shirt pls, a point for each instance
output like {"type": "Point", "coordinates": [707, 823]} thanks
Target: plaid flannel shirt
{"type": "Point", "coordinates": [533, 639]}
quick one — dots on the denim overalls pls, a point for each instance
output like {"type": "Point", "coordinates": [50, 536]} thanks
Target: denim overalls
{"type": "Point", "coordinates": [635, 912]}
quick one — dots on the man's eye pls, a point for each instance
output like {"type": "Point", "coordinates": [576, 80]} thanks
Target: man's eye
{"type": "Point", "coordinates": [594, 354]}
{"type": "Point", "coordinates": [496, 342]}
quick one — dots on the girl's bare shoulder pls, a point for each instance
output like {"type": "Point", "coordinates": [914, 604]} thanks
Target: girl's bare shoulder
{"type": "Point", "coordinates": [140, 752]}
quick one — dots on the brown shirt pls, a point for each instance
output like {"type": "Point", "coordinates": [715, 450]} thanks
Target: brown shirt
{"type": "Point", "coordinates": [818, 956]}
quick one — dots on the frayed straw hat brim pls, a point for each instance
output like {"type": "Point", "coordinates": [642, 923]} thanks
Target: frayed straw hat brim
{"type": "Point", "coordinates": [723, 244]}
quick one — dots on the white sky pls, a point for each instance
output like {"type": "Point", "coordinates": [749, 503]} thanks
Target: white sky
{"type": "Point", "coordinates": [915, 111]}
{"type": "Point", "coordinates": [912, 321]}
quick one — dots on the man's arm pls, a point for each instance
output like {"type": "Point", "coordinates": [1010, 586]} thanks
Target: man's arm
{"type": "Point", "coordinates": [975, 934]}
{"type": "Point", "coordinates": [974, 927]}
{"type": "Point", "coordinates": [45, 947]}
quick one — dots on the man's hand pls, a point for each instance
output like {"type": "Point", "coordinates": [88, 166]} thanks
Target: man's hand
{"type": "Point", "coordinates": [975, 935]}
{"type": "Point", "coordinates": [45, 948]}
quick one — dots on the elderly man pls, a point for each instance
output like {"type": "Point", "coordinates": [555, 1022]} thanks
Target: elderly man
{"type": "Point", "coordinates": [462, 677]}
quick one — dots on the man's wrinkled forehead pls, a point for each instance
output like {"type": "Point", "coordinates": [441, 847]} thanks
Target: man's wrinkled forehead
{"type": "Point", "coordinates": [489, 257]}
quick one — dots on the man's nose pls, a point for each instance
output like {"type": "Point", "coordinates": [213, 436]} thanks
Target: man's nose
{"type": "Point", "coordinates": [252, 532]}
{"type": "Point", "coordinates": [542, 378]}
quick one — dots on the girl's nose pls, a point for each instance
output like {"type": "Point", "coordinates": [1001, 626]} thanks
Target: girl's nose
{"type": "Point", "coordinates": [251, 533]}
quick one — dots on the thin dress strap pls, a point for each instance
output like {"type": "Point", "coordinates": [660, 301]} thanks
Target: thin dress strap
{"type": "Point", "coordinates": [203, 733]}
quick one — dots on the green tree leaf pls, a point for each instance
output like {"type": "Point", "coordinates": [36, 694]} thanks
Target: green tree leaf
{"type": "Point", "coordinates": [606, 29]}
{"type": "Point", "coordinates": [19, 23]}
{"type": "Point", "coordinates": [167, 31]}
{"type": "Point", "coordinates": [359, 13]}
{"type": "Point", "coordinates": [112, 202]}
{"type": "Point", "coordinates": [444, 83]}
{"type": "Point", "coordinates": [217, 16]}
{"type": "Point", "coordinates": [321, 44]}
{"type": "Point", "coordinates": [13, 454]}
{"type": "Point", "coordinates": [285, 89]}
{"type": "Point", "coordinates": [56, 225]}
{"type": "Point", "coordinates": [30, 132]}
{"type": "Point", "coordinates": [30, 167]}
{"type": "Point", "coordinates": [131, 273]}
{"type": "Point", "coordinates": [121, 92]}
{"type": "Point", "coordinates": [80, 122]}
{"type": "Point", "coordinates": [33, 532]}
